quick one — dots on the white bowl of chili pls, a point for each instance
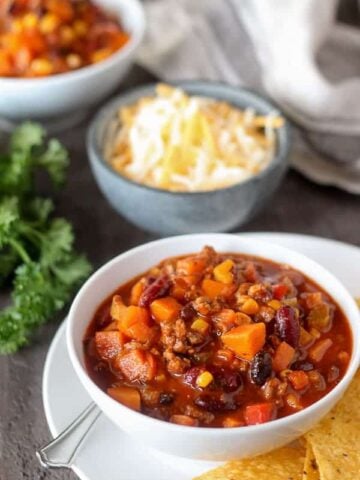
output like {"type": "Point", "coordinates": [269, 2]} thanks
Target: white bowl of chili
{"type": "Point", "coordinates": [60, 98]}
{"type": "Point", "coordinates": [213, 443]}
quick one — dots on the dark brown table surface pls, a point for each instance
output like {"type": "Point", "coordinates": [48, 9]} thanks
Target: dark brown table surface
{"type": "Point", "coordinates": [299, 206]}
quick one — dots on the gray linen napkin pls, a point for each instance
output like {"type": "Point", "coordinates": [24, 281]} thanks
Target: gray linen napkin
{"type": "Point", "coordinates": [295, 52]}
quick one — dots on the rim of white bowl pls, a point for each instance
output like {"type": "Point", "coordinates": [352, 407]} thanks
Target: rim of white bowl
{"type": "Point", "coordinates": [137, 34]}
{"type": "Point", "coordinates": [213, 431]}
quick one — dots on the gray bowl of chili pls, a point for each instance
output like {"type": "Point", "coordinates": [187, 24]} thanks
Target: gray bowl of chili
{"type": "Point", "coordinates": [171, 212]}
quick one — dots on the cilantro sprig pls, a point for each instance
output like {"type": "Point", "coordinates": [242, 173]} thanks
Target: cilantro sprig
{"type": "Point", "coordinates": [36, 250]}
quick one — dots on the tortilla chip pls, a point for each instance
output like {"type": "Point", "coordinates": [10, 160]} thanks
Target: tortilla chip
{"type": "Point", "coordinates": [336, 440]}
{"type": "Point", "coordinates": [311, 469]}
{"type": "Point", "coordinates": [286, 463]}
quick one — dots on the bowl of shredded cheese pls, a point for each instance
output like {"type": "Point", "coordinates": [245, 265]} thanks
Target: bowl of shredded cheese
{"type": "Point", "coordinates": [198, 156]}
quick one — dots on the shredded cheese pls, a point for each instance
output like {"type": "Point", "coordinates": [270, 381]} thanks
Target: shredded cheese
{"type": "Point", "coordinates": [181, 143]}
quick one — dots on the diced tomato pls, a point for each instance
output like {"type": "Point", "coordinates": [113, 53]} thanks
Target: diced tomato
{"type": "Point", "coordinates": [279, 291]}
{"type": "Point", "coordinates": [259, 413]}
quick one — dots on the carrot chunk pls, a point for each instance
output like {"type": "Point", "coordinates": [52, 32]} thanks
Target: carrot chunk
{"type": "Point", "coordinates": [118, 308]}
{"type": "Point", "coordinates": [190, 266]}
{"type": "Point", "coordinates": [136, 292]}
{"type": "Point", "coordinates": [136, 365]}
{"type": "Point", "coordinates": [130, 397]}
{"type": "Point", "coordinates": [109, 343]}
{"type": "Point", "coordinates": [317, 351]}
{"type": "Point", "coordinates": [165, 309]}
{"type": "Point", "coordinates": [259, 413]}
{"type": "Point", "coordinates": [213, 289]}
{"type": "Point", "coordinates": [283, 357]}
{"type": "Point", "coordinates": [245, 340]}
{"type": "Point", "coordinates": [298, 379]}
{"type": "Point", "coordinates": [131, 316]}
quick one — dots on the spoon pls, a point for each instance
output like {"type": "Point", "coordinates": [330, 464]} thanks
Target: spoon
{"type": "Point", "coordinates": [62, 450]}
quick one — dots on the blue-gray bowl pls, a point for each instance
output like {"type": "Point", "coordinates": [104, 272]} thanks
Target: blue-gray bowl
{"type": "Point", "coordinates": [167, 213]}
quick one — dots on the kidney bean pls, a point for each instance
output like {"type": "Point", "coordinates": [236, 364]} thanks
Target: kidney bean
{"type": "Point", "coordinates": [287, 325]}
{"type": "Point", "coordinates": [214, 404]}
{"type": "Point", "coordinates": [228, 380]}
{"type": "Point", "coordinates": [156, 289]}
{"type": "Point", "coordinates": [191, 375]}
{"type": "Point", "coordinates": [166, 398]}
{"type": "Point", "coordinates": [188, 312]}
{"type": "Point", "coordinates": [305, 366]}
{"type": "Point", "coordinates": [260, 368]}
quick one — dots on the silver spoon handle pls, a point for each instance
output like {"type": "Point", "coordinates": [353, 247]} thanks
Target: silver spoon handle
{"type": "Point", "coordinates": [60, 452]}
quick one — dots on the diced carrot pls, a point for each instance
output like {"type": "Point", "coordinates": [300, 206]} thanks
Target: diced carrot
{"type": "Point", "coordinates": [118, 308]}
{"type": "Point", "coordinates": [133, 315]}
{"type": "Point", "coordinates": [283, 357]}
{"type": "Point", "coordinates": [259, 413]}
{"type": "Point", "coordinates": [213, 289]}
{"type": "Point", "coordinates": [190, 266]}
{"type": "Point", "coordinates": [184, 420]}
{"type": "Point", "coordinates": [165, 309]}
{"type": "Point", "coordinates": [111, 327]}
{"type": "Point", "coordinates": [109, 344]}
{"type": "Point", "coordinates": [179, 289]}
{"type": "Point", "coordinates": [245, 340]}
{"type": "Point", "coordinates": [279, 291]}
{"type": "Point", "coordinates": [298, 379]}
{"type": "Point", "coordinates": [130, 397]}
{"type": "Point", "coordinates": [136, 292]}
{"type": "Point", "coordinates": [136, 365]}
{"type": "Point", "coordinates": [141, 332]}
{"type": "Point", "coordinates": [317, 351]}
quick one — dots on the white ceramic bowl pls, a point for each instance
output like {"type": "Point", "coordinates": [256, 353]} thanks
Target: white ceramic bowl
{"type": "Point", "coordinates": [197, 442]}
{"type": "Point", "coordinates": [66, 94]}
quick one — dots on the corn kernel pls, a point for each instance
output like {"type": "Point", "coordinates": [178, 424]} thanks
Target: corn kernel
{"type": "Point", "coordinates": [80, 28]}
{"type": "Point", "coordinates": [222, 272]}
{"type": "Point", "coordinates": [73, 60]}
{"type": "Point", "coordinates": [100, 55]}
{"type": "Point", "coordinates": [204, 379]}
{"type": "Point", "coordinates": [49, 23]}
{"type": "Point", "coordinates": [30, 20]}
{"type": "Point", "coordinates": [67, 35]}
{"type": "Point", "coordinates": [275, 304]}
{"type": "Point", "coordinates": [17, 26]}
{"type": "Point", "coordinates": [41, 66]}
{"type": "Point", "coordinates": [199, 325]}
{"type": "Point", "coordinates": [160, 378]}
{"type": "Point", "coordinates": [250, 307]}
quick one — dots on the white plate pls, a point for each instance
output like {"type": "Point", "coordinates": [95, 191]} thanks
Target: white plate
{"type": "Point", "coordinates": [108, 453]}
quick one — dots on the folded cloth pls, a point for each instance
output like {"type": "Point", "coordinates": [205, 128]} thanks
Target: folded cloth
{"type": "Point", "coordinates": [293, 51]}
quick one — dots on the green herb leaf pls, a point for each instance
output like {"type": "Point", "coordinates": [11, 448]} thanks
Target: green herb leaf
{"type": "Point", "coordinates": [55, 160]}
{"type": "Point", "coordinates": [35, 249]}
